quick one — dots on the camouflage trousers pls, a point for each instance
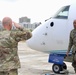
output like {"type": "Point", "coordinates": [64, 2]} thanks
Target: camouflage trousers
{"type": "Point", "coordinates": [11, 72]}
{"type": "Point", "coordinates": [74, 61]}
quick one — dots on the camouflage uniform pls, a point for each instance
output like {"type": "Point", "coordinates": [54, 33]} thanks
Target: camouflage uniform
{"type": "Point", "coordinates": [72, 44]}
{"type": "Point", "coordinates": [9, 60]}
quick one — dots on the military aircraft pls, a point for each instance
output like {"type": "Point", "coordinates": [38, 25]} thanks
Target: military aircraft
{"type": "Point", "coordinates": [52, 36]}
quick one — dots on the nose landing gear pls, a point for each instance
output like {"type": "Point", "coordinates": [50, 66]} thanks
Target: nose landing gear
{"type": "Point", "coordinates": [59, 68]}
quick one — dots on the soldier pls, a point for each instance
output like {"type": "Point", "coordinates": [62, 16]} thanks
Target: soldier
{"type": "Point", "coordinates": [9, 59]}
{"type": "Point", "coordinates": [72, 45]}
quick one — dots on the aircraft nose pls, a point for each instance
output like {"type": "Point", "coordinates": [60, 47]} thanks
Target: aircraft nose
{"type": "Point", "coordinates": [30, 43]}
{"type": "Point", "coordinates": [33, 43]}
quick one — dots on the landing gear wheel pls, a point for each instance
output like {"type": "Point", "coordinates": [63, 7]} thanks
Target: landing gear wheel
{"type": "Point", "coordinates": [57, 68]}
{"type": "Point", "coordinates": [64, 66]}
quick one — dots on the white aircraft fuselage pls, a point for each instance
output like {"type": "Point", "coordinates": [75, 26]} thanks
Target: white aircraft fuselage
{"type": "Point", "coordinates": [54, 33]}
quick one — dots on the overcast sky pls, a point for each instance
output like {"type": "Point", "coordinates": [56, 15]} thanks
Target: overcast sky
{"type": "Point", "coordinates": [37, 10]}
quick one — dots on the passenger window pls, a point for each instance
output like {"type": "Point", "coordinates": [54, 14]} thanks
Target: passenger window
{"type": "Point", "coordinates": [62, 13]}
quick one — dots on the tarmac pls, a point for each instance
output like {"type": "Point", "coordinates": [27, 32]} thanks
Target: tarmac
{"type": "Point", "coordinates": [36, 63]}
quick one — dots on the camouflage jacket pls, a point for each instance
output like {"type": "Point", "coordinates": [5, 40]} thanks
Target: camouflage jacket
{"type": "Point", "coordinates": [72, 41]}
{"type": "Point", "coordinates": [8, 48]}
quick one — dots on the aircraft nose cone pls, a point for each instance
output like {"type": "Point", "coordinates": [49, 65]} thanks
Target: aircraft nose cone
{"type": "Point", "coordinates": [30, 43]}
{"type": "Point", "coordinates": [33, 43]}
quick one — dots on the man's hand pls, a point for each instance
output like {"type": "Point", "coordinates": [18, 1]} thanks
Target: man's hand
{"type": "Point", "coordinates": [67, 53]}
{"type": "Point", "coordinates": [16, 25]}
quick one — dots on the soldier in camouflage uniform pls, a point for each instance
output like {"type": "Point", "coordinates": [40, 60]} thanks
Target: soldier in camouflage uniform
{"type": "Point", "coordinates": [72, 45]}
{"type": "Point", "coordinates": [9, 59]}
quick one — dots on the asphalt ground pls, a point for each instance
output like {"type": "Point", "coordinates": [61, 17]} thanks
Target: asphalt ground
{"type": "Point", "coordinates": [36, 63]}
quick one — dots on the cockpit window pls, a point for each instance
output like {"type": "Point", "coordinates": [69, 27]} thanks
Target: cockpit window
{"type": "Point", "coordinates": [63, 13]}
